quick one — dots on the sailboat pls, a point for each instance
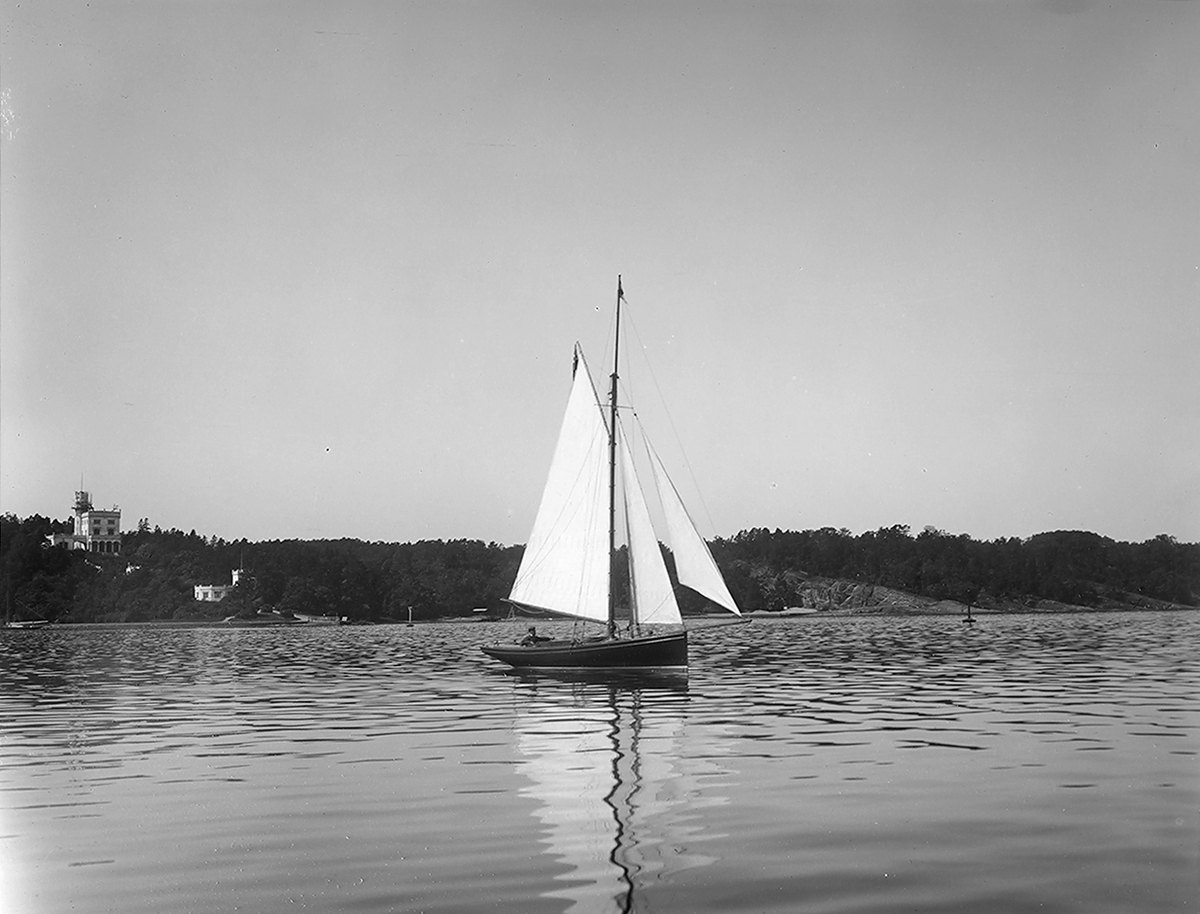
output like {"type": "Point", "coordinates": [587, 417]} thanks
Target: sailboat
{"type": "Point", "coordinates": [568, 565]}
{"type": "Point", "coordinates": [20, 624]}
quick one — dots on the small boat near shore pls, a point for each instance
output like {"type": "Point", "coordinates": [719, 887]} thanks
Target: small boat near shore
{"type": "Point", "coordinates": [27, 624]}
{"type": "Point", "coordinates": [311, 619]}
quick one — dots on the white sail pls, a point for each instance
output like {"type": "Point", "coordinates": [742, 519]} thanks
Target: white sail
{"type": "Point", "coordinates": [653, 596]}
{"type": "Point", "coordinates": [694, 564]}
{"type": "Point", "coordinates": [565, 565]}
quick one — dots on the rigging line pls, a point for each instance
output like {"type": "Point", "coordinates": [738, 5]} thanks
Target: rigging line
{"type": "Point", "coordinates": [671, 422]}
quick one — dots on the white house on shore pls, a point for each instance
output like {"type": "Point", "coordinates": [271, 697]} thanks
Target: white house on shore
{"type": "Point", "coordinates": [215, 593]}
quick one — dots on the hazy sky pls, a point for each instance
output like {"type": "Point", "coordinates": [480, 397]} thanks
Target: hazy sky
{"type": "Point", "coordinates": [315, 269]}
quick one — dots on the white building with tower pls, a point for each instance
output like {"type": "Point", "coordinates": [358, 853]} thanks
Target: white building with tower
{"type": "Point", "coordinates": [95, 530]}
{"type": "Point", "coordinates": [215, 593]}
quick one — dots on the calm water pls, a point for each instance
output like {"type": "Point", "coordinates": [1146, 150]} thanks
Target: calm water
{"type": "Point", "coordinates": [1027, 763]}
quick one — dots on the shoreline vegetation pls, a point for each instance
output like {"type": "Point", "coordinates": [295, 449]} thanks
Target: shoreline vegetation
{"type": "Point", "coordinates": [940, 608]}
{"type": "Point", "coordinates": [777, 574]}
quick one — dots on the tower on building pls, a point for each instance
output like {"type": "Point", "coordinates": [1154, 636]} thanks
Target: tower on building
{"type": "Point", "coordinates": [95, 531]}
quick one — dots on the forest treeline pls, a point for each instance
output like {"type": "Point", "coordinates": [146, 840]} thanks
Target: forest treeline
{"type": "Point", "coordinates": [153, 577]}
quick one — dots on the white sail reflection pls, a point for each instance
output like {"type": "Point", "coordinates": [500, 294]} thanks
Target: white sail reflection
{"type": "Point", "coordinates": [568, 757]}
{"type": "Point", "coordinates": [620, 804]}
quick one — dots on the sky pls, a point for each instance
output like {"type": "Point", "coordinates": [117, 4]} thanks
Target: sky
{"type": "Point", "coordinates": [307, 270]}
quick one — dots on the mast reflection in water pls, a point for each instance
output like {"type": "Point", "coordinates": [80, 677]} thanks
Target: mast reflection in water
{"type": "Point", "coordinates": [617, 797]}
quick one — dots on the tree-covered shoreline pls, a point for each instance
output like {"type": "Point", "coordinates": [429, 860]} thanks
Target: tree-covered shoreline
{"type": "Point", "coordinates": [153, 578]}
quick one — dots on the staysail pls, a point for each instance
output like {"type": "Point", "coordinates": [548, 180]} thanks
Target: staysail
{"type": "Point", "coordinates": [653, 597]}
{"type": "Point", "coordinates": [694, 564]}
{"type": "Point", "coordinates": [565, 567]}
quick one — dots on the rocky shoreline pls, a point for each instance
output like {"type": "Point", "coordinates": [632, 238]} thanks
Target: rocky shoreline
{"type": "Point", "coordinates": [833, 596]}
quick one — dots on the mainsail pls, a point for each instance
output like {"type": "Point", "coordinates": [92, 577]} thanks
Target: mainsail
{"type": "Point", "coordinates": [565, 565]}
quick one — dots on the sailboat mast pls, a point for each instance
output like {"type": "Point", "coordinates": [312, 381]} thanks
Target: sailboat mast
{"type": "Point", "coordinates": [612, 470]}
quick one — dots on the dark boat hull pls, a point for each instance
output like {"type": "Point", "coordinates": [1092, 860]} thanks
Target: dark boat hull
{"type": "Point", "coordinates": [629, 653]}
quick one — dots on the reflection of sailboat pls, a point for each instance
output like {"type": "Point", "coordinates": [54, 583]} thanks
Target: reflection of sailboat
{"type": "Point", "coordinates": [567, 566]}
{"type": "Point", "coordinates": [616, 795]}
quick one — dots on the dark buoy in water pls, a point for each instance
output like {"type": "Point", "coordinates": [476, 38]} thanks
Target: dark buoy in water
{"type": "Point", "coordinates": [969, 620]}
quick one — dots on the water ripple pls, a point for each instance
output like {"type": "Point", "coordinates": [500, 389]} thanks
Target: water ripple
{"type": "Point", "coordinates": [849, 764]}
